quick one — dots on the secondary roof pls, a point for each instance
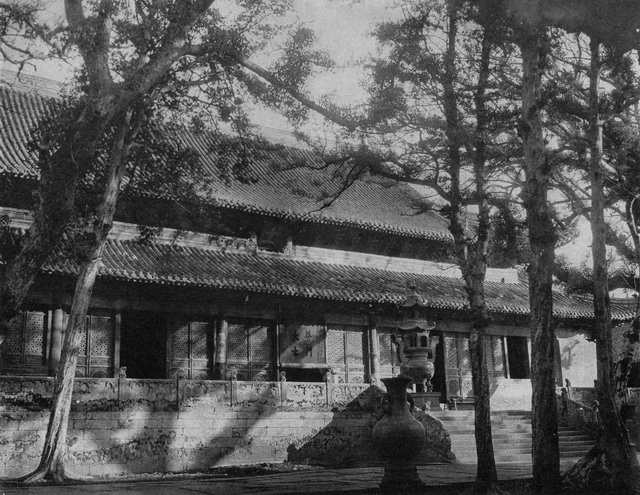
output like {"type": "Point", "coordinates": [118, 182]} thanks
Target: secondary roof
{"type": "Point", "coordinates": [283, 182]}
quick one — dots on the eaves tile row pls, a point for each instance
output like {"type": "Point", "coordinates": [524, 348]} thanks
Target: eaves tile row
{"type": "Point", "coordinates": [277, 274]}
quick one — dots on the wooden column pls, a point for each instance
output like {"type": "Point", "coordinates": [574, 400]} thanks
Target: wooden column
{"type": "Point", "coordinates": [558, 364]}
{"type": "Point", "coordinates": [507, 368]}
{"type": "Point", "coordinates": [374, 354]}
{"type": "Point", "coordinates": [220, 367]}
{"type": "Point", "coordinates": [529, 355]}
{"type": "Point", "coordinates": [57, 336]}
{"type": "Point", "coordinates": [117, 339]}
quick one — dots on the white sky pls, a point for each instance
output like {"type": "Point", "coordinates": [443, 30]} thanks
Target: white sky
{"type": "Point", "coordinates": [341, 26]}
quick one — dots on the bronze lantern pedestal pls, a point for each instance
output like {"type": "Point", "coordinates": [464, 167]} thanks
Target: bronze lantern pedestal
{"type": "Point", "coordinates": [399, 438]}
{"type": "Point", "coordinates": [417, 350]}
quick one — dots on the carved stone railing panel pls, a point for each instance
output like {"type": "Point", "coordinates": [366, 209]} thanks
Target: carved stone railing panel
{"type": "Point", "coordinates": [181, 393]}
{"type": "Point", "coordinates": [577, 415]}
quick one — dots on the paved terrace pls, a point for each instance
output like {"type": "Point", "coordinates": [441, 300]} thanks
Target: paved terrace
{"type": "Point", "coordinates": [325, 481]}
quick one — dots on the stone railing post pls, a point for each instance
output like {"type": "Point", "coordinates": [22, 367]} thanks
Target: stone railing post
{"type": "Point", "coordinates": [233, 378]}
{"type": "Point", "coordinates": [596, 412]}
{"type": "Point", "coordinates": [283, 388]}
{"type": "Point", "coordinates": [328, 380]}
{"type": "Point", "coordinates": [181, 377]}
{"type": "Point", "coordinates": [122, 385]}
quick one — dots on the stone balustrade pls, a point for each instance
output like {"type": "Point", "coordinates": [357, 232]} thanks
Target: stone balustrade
{"type": "Point", "coordinates": [123, 425]}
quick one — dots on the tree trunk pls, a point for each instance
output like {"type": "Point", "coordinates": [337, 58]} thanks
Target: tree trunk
{"type": "Point", "coordinates": [57, 190]}
{"type": "Point", "coordinates": [545, 445]}
{"type": "Point", "coordinates": [472, 264]}
{"type": "Point", "coordinates": [60, 172]}
{"type": "Point", "coordinates": [474, 278]}
{"type": "Point", "coordinates": [52, 462]}
{"type": "Point", "coordinates": [620, 456]}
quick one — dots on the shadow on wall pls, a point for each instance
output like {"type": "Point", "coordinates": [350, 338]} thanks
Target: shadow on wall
{"type": "Point", "coordinates": [131, 426]}
{"type": "Point", "coordinates": [347, 436]}
{"type": "Point", "coordinates": [567, 353]}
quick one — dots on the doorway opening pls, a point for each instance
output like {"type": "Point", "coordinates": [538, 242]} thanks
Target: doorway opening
{"type": "Point", "coordinates": [518, 354]}
{"type": "Point", "coordinates": [143, 348]}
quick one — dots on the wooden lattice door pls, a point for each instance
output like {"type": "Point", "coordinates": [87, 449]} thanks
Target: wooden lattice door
{"type": "Point", "coordinates": [23, 350]}
{"type": "Point", "coordinates": [458, 366]}
{"type": "Point", "coordinates": [96, 352]}
{"type": "Point", "coordinates": [251, 349]}
{"type": "Point", "coordinates": [346, 354]}
{"type": "Point", "coordinates": [190, 347]}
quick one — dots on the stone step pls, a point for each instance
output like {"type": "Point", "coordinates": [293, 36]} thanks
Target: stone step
{"type": "Point", "coordinates": [572, 433]}
{"type": "Point", "coordinates": [500, 457]}
{"type": "Point", "coordinates": [511, 432]}
{"type": "Point", "coordinates": [578, 440]}
{"type": "Point", "coordinates": [501, 421]}
{"type": "Point", "coordinates": [495, 416]}
{"type": "Point", "coordinates": [494, 427]}
{"type": "Point", "coordinates": [470, 440]}
{"type": "Point", "coordinates": [515, 437]}
{"type": "Point", "coordinates": [496, 422]}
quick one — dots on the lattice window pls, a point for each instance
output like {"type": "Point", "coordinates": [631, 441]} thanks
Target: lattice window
{"type": "Point", "coordinates": [24, 344]}
{"type": "Point", "coordinates": [464, 355]}
{"type": "Point", "coordinates": [237, 343]}
{"type": "Point", "coordinates": [335, 347]}
{"type": "Point", "coordinates": [180, 342]}
{"type": "Point", "coordinates": [355, 349]}
{"type": "Point", "coordinates": [101, 336]}
{"type": "Point", "coordinates": [34, 336]}
{"type": "Point", "coordinates": [97, 349]}
{"type": "Point", "coordinates": [199, 333]}
{"type": "Point", "coordinates": [250, 347]}
{"type": "Point", "coordinates": [191, 349]}
{"type": "Point", "coordinates": [345, 348]}
{"type": "Point", "coordinates": [14, 339]}
{"type": "Point", "coordinates": [451, 355]}
{"type": "Point", "coordinates": [261, 348]}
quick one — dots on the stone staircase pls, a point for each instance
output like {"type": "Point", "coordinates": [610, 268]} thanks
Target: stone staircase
{"type": "Point", "coordinates": [511, 431]}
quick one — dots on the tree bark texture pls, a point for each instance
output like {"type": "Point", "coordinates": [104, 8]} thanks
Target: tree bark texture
{"type": "Point", "coordinates": [52, 463]}
{"type": "Point", "coordinates": [472, 255]}
{"type": "Point", "coordinates": [620, 456]}
{"type": "Point", "coordinates": [51, 217]}
{"type": "Point", "coordinates": [60, 171]}
{"type": "Point", "coordinates": [545, 445]}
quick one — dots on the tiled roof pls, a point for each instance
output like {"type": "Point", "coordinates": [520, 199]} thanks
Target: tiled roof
{"type": "Point", "coordinates": [19, 113]}
{"type": "Point", "coordinates": [278, 274]}
{"type": "Point", "coordinates": [278, 188]}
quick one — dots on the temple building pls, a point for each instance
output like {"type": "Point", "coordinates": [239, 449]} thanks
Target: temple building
{"type": "Point", "coordinates": [284, 285]}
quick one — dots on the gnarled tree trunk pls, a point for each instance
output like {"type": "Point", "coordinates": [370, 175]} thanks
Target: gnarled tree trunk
{"type": "Point", "coordinates": [542, 238]}
{"type": "Point", "coordinates": [52, 463]}
{"type": "Point", "coordinates": [472, 253]}
{"type": "Point", "coordinates": [620, 457]}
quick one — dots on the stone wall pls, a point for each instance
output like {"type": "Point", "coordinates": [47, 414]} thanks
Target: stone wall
{"type": "Point", "coordinates": [577, 358]}
{"type": "Point", "coordinates": [131, 426]}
